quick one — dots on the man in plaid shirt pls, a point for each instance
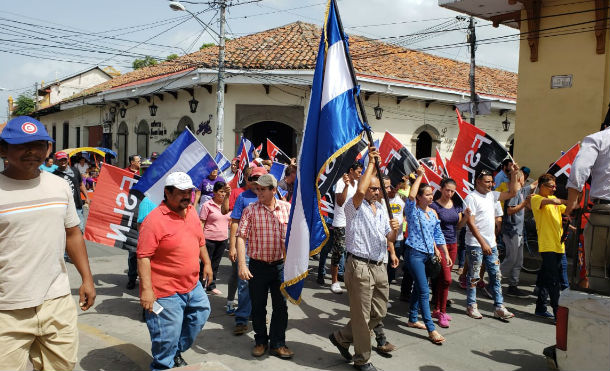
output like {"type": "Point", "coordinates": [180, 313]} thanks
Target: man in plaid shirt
{"type": "Point", "coordinates": [264, 224]}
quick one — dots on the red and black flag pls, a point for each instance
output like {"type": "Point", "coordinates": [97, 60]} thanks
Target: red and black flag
{"type": "Point", "coordinates": [561, 170]}
{"type": "Point", "coordinates": [441, 167]}
{"type": "Point", "coordinates": [474, 151]}
{"type": "Point", "coordinates": [396, 160]}
{"type": "Point", "coordinates": [259, 149]}
{"type": "Point", "coordinates": [276, 154]}
{"type": "Point", "coordinates": [239, 179]}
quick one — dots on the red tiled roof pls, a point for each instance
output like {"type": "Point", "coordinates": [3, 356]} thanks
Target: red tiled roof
{"type": "Point", "coordinates": [295, 46]}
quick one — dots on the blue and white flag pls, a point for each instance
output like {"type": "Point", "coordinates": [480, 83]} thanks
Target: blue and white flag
{"type": "Point", "coordinates": [186, 154]}
{"type": "Point", "coordinates": [364, 160]}
{"type": "Point", "coordinates": [222, 161]}
{"type": "Point", "coordinates": [329, 147]}
{"type": "Point", "coordinates": [278, 170]}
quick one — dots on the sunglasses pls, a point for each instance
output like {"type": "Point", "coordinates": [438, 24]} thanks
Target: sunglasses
{"type": "Point", "coordinates": [550, 186]}
{"type": "Point", "coordinates": [253, 178]}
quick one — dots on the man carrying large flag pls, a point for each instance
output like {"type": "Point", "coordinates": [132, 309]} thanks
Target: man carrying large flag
{"type": "Point", "coordinates": [329, 147]}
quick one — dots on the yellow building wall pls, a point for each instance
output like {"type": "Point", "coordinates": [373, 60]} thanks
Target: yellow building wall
{"type": "Point", "coordinates": [552, 120]}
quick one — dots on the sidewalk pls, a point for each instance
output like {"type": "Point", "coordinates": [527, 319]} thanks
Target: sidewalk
{"type": "Point", "coordinates": [112, 337]}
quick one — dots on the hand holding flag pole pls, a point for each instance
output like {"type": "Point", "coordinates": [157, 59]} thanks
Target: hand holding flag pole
{"type": "Point", "coordinates": [365, 120]}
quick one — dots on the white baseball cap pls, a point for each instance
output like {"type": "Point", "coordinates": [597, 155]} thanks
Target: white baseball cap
{"type": "Point", "coordinates": [180, 180]}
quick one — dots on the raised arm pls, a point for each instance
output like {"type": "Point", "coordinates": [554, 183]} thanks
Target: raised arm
{"type": "Point", "coordinates": [415, 186]}
{"type": "Point", "coordinates": [514, 186]}
{"type": "Point", "coordinates": [365, 179]}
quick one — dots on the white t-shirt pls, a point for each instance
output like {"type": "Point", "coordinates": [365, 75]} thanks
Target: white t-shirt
{"type": "Point", "coordinates": [483, 208]}
{"type": "Point", "coordinates": [82, 169]}
{"type": "Point", "coordinates": [339, 212]}
{"type": "Point", "coordinates": [34, 215]}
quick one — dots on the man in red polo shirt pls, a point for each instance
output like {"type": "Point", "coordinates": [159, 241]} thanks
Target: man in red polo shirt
{"type": "Point", "coordinates": [170, 244]}
{"type": "Point", "coordinates": [264, 223]}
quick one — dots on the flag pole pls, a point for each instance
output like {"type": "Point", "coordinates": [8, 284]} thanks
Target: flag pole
{"type": "Point", "coordinates": [367, 128]}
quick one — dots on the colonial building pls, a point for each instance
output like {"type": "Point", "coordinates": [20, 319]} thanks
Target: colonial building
{"type": "Point", "coordinates": [564, 79]}
{"type": "Point", "coordinates": [268, 77]}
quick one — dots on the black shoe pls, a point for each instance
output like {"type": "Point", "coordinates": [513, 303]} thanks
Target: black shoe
{"type": "Point", "coordinates": [131, 284]}
{"type": "Point", "coordinates": [316, 257]}
{"type": "Point", "coordinates": [179, 361]}
{"type": "Point", "coordinates": [405, 298]}
{"type": "Point", "coordinates": [320, 280]}
{"type": "Point", "coordinates": [365, 367]}
{"type": "Point", "coordinates": [341, 278]}
{"type": "Point", "coordinates": [344, 351]}
{"type": "Point", "coordinates": [514, 291]}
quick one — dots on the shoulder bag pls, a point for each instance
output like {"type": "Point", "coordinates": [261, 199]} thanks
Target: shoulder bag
{"type": "Point", "coordinates": [433, 263]}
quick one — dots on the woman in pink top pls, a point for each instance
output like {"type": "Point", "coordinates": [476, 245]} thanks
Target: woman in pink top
{"type": "Point", "coordinates": [216, 231]}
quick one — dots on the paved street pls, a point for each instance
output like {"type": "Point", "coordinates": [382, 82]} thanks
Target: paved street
{"type": "Point", "coordinates": [113, 338]}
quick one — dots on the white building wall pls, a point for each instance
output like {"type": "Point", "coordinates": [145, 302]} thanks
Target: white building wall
{"type": "Point", "coordinates": [65, 89]}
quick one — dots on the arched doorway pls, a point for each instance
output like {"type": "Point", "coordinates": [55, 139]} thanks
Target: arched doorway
{"type": "Point", "coordinates": [142, 132]}
{"type": "Point", "coordinates": [423, 146]}
{"type": "Point", "coordinates": [122, 147]}
{"type": "Point", "coordinates": [280, 134]}
{"type": "Point", "coordinates": [184, 122]}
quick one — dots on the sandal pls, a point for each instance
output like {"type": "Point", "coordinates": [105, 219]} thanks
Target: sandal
{"type": "Point", "coordinates": [417, 325]}
{"type": "Point", "coordinates": [436, 338]}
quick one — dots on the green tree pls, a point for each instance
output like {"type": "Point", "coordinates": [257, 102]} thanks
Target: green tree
{"type": "Point", "coordinates": [171, 57]}
{"type": "Point", "coordinates": [24, 105]}
{"type": "Point", "coordinates": [141, 63]}
{"type": "Point", "coordinates": [207, 45]}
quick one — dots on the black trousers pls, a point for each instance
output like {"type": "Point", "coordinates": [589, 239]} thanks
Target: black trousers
{"type": "Point", "coordinates": [132, 266]}
{"type": "Point", "coordinates": [268, 278]}
{"type": "Point", "coordinates": [215, 250]}
{"type": "Point", "coordinates": [549, 280]}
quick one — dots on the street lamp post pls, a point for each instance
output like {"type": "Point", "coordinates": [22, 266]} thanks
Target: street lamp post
{"type": "Point", "coordinates": [176, 5]}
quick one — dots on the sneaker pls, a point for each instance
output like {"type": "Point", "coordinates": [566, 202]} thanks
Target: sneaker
{"type": "Point", "coordinates": [516, 292]}
{"type": "Point", "coordinates": [473, 311]}
{"type": "Point", "coordinates": [388, 305]}
{"type": "Point", "coordinates": [502, 313]}
{"type": "Point", "coordinates": [443, 321]}
{"type": "Point", "coordinates": [463, 282]}
{"type": "Point", "coordinates": [336, 288]}
{"type": "Point", "coordinates": [231, 308]}
{"type": "Point", "coordinates": [436, 314]}
{"type": "Point", "coordinates": [179, 361]}
{"type": "Point", "coordinates": [487, 291]}
{"type": "Point", "coordinates": [546, 314]}
{"type": "Point", "coordinates": [214, 291]}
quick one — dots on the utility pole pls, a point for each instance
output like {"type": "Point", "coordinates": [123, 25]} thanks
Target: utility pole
{"type": "Point", "coordinates": [472, 39]}
{"type": "Point", "coordinates": [220, 108]}
{"type": "Point", "coordinates": [35, 96]}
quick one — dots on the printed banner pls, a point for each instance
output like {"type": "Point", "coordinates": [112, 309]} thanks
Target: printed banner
{"type": "Point", "coordinates": [113, 211]}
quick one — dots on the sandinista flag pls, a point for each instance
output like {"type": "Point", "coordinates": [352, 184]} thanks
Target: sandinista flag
{"type": "Point", "coordinates": [332, 131]}
{"type": "Point", "coordinates": [276, 154]}
{"type": "Point", "coordinates": [239, 180]}
{"type": "Point", "coordinates": [441, 167]}
{"type": "Point", "coordinates": [259, 149]}
{"type": "Point", "coordinates": [432, 178]}
{"type": "Point", "coordinates": [113, 211]}
{"type": "Point", "coordinates": [244, 143]}
{"type": "Point", "coordinates": [396, 160]}
{"type": "Point", "coordinates": [474, 151]}
{"type": "Point", "coordinates": [561, 170]}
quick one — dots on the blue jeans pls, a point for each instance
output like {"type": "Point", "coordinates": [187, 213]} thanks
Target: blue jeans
{"type": "Point", "coordinates": [342, 265]}
{"type": "Point", "coordinates": [475, 258]}
{"type": "Point", "coordinates": [174, 329]}
{"type": "Point", "coordinates": [81, 217]}
{"type": "Point", "coordinates": [420, 297]}
{"type": "Point", "coordinates": [324, 254]}
{"type": "Point", "coordinates": [244, 305]}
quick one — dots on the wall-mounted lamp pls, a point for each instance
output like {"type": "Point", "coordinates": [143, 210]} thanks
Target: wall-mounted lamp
{"type": "Point", "coordinates": [153, 107]}
{"type": "Point", "coordinates": [378, 110]}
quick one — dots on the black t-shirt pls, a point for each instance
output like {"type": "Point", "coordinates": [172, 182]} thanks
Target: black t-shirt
{"type": "Point", "coordinates": [72, 176]}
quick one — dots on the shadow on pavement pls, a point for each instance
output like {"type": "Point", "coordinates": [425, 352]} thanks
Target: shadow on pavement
{"type": "Point", "coordinates": [117, 357]}
{"type": "Point", "coordinates": [518, 357]}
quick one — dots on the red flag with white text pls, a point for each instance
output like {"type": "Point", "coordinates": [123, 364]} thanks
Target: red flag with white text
{"type": "Point", "coordinates": [474, 151]}
{"type": "Point", "coordinates": [276, 154]}
{"type": "Point", "coordinates": [432, 178]}
{"type": "Point", "coordinates": [396, 160]}
{"type": "Point", "coordinates": [113, 211]}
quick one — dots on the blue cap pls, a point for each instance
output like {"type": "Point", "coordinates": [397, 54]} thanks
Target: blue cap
{"type": "Point", "coordinates": [24, 129]}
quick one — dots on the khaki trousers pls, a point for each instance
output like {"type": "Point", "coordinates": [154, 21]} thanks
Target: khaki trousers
{"type": "Point", "coordinates": [46, 334]}
{"type": "Point", "coordinates": [597, 242]}
{"type": "Point", "coordinates": [368, 290]}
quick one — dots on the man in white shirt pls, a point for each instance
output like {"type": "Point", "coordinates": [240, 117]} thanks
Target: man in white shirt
{"type": "Point", "coordinates": [345, 189]}
{"type": "Point", "coordinates": [481, 244]}
{"type": "Point", "coordinates": [593, 160]}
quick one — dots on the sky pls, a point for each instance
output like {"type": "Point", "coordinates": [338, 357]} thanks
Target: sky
{"type": "Point", "coordinates": [115, 32]}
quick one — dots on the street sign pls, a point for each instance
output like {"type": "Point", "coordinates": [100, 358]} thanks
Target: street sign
{"type": "Point", "coordinates": [561, 81]}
